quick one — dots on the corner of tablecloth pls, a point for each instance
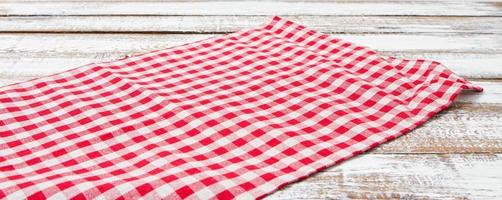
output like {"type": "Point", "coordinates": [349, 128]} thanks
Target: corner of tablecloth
{"type": "Point", "coordinates": [290, 29]}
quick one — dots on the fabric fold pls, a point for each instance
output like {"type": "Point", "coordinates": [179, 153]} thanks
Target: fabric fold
{"type": "Point", "coordinates": [236, 116]}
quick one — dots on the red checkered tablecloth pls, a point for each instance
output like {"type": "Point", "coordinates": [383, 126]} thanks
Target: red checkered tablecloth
{"type": "Point", "coordinates": [233, 116]}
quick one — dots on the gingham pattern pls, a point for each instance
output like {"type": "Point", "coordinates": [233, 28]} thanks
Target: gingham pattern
{"type": "Point", "coordinates": [234, 116]}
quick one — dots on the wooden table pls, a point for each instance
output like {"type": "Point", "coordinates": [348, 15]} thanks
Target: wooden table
{"type": "Point", "coordinates": [456, 155]}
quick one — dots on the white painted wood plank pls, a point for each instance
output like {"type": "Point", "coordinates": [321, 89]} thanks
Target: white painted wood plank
{"type": "Point", "coordinates": [224, 24]}
{"type": "Point", "coordinates": [107, 43]}
{"type": "Point", "coordinates": [469, 65]}
{"type": "Point", "coordinates": [468, 176]}
{"type": "Point", "coordinates": [492, 93]}
{"type": "Point", "coordinates": [462, 128]}
{"type": "Point", "coordinates": [29, 55]}
{"type": "Point", "coordinates": [26, 64]}
{"type": "Point", "coordinates": [250, 8]}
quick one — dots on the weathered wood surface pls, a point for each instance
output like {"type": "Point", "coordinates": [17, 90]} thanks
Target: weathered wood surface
{"type": "Point", "coordinates": [373, 7]}
{"type": "Point", "coordinates": [35, 53]}
{"type": "Point", "coordinates": [466, 43]}
{"type": "Point", "coordinates": [455, 155]}
{"type": "Point", "coordinates": [390, 176]}
{"type": "Point", "coordinates": [225, 24]}
{"type": "Point", "coordinates": [462, 128]}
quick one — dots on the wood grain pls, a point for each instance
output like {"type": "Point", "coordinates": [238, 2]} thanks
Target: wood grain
{"type": "Point", "coordinates": [25, 64]}
{"type": "Point", "coordinates": [59, 43]}
{"type": "Point", "coordinates": [492, 93]}
{"type": "Point", "coordinates": [225, 24]}
{"type": "Point", "coordinates": [85, 8]}
{"type": "Point", "coordinates": [455, 155]}
{"type": "Point", "coordinates": [390, 176]}
{"type": "Point", "coordinates": [29, 54]}
{"type": "Point", "coordinates": [462, 128]}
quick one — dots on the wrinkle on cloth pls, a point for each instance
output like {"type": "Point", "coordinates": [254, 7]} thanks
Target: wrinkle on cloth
{"type": "Point", "coordinates": [236, 116]}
